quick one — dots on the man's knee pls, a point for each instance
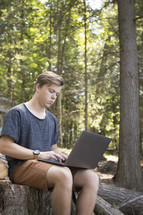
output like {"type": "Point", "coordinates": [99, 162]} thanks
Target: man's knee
{"type": "Point", "coordinates": [92, 180]}
{"type": "Point", "coordinates": [91, 176]}
{"type": "Point", "coordinates": [65, 175]}
{"type": "Point", "coordinates": [87, 179]}
{"type": "Point", "coordinates": [60, 176]}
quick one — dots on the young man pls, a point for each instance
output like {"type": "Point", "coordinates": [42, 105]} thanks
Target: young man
{"type": "Point", "coordinates": [30, 131]}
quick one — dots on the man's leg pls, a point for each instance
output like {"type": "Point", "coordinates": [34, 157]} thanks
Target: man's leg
{"type": "Point", "coordinates": [88, 182]}
{"type": "Point", "coordinates": [60, 179]}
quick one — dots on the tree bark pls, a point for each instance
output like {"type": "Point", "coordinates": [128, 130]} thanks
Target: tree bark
{"type": "Point", "coordinates": [23, 200]}
{"type": "Point", "coordinates": [129, 170]}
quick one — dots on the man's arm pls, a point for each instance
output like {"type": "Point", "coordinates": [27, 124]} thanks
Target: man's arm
{"type": "Point", "coordinates": [9, 148]}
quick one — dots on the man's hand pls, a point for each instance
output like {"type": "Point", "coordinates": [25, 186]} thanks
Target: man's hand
{"type": "Point", "coordinates": [52, 154]}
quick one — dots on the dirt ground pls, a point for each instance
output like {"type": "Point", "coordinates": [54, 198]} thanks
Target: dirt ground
{"type": "Point", "coordinates": [107, 168]}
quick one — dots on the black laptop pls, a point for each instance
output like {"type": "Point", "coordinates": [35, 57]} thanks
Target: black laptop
{"type": "Point", "coordinates": [86, 153]}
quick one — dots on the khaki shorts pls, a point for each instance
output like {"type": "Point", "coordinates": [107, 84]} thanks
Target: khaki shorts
{"type": "Point", "coordinates": [33, 173]}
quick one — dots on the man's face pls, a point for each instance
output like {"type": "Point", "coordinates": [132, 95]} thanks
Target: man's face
{"type": "Point", "coordinates": [47, 94]}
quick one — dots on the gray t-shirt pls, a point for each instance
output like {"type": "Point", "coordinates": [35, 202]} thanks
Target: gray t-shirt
{"type": "Point", "coordinates": [29, 131]}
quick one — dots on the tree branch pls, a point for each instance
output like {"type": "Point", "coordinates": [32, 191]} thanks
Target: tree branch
{"type": "Point", "coordinates": [139, 17]}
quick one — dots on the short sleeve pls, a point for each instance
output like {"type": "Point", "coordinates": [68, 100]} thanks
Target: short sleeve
{"type": "Point", "coordinates": [11, 125]}
{"type": "Point", "coordinates": [56, 136]}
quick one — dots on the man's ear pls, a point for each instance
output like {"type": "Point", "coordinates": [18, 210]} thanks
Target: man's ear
{"type": "Point", "coordinates": [37, 87]}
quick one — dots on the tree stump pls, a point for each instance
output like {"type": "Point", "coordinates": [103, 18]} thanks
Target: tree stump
{"type": "Point", "coordinates": [24, 200]}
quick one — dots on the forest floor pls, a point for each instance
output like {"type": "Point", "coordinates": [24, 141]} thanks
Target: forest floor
{"type": "Point", "coordinates": [107, 168]}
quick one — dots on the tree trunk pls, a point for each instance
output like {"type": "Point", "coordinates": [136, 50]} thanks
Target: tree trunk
{"type": "Point", "coordinates": [59, 111]}
{"type": "Point", "coordinates": [85, 65]}
{"type": "Point", "coordinates": [50, 39]}
{"type": "Point", "coordinates": [129, 170]}
{"type": "Point", "coordinates": [22, 70]}
{"type": "Point", "coordinates": [59, 103]}
{"type": "Point", "coordinates": [9, 86]}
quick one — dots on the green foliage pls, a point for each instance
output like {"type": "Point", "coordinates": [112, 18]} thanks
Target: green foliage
{"type": "Point", "coordinates": [49, 35]}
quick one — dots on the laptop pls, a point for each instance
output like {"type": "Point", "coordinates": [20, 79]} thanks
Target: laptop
{"type": "Point", "coordinates": [86, 153]}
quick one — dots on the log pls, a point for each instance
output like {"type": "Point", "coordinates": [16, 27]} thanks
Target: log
{"type": "Point", "coordinates": [130, 202]}
{"type": "Point", "coordinates": [104, 208]}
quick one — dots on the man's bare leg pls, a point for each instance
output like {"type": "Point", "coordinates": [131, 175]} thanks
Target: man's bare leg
{"type": "Point", "coordinates": [60, 179]}
{"type": "Point", "coordinates": [88, 181]}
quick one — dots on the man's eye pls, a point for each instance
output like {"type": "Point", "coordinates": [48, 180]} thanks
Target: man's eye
{"type": "Point", "coordinates": [51, 91]}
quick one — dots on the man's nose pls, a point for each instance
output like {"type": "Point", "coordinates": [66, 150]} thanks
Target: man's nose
{"type": "Point", "coordinates": [54, 96]}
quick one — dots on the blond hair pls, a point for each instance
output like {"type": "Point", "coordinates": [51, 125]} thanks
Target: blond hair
{"type": "Point", "coordinates": [49, 78]}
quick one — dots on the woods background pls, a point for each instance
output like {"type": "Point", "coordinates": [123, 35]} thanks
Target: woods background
{"type": "Point", "coordinates": [82, 43]}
